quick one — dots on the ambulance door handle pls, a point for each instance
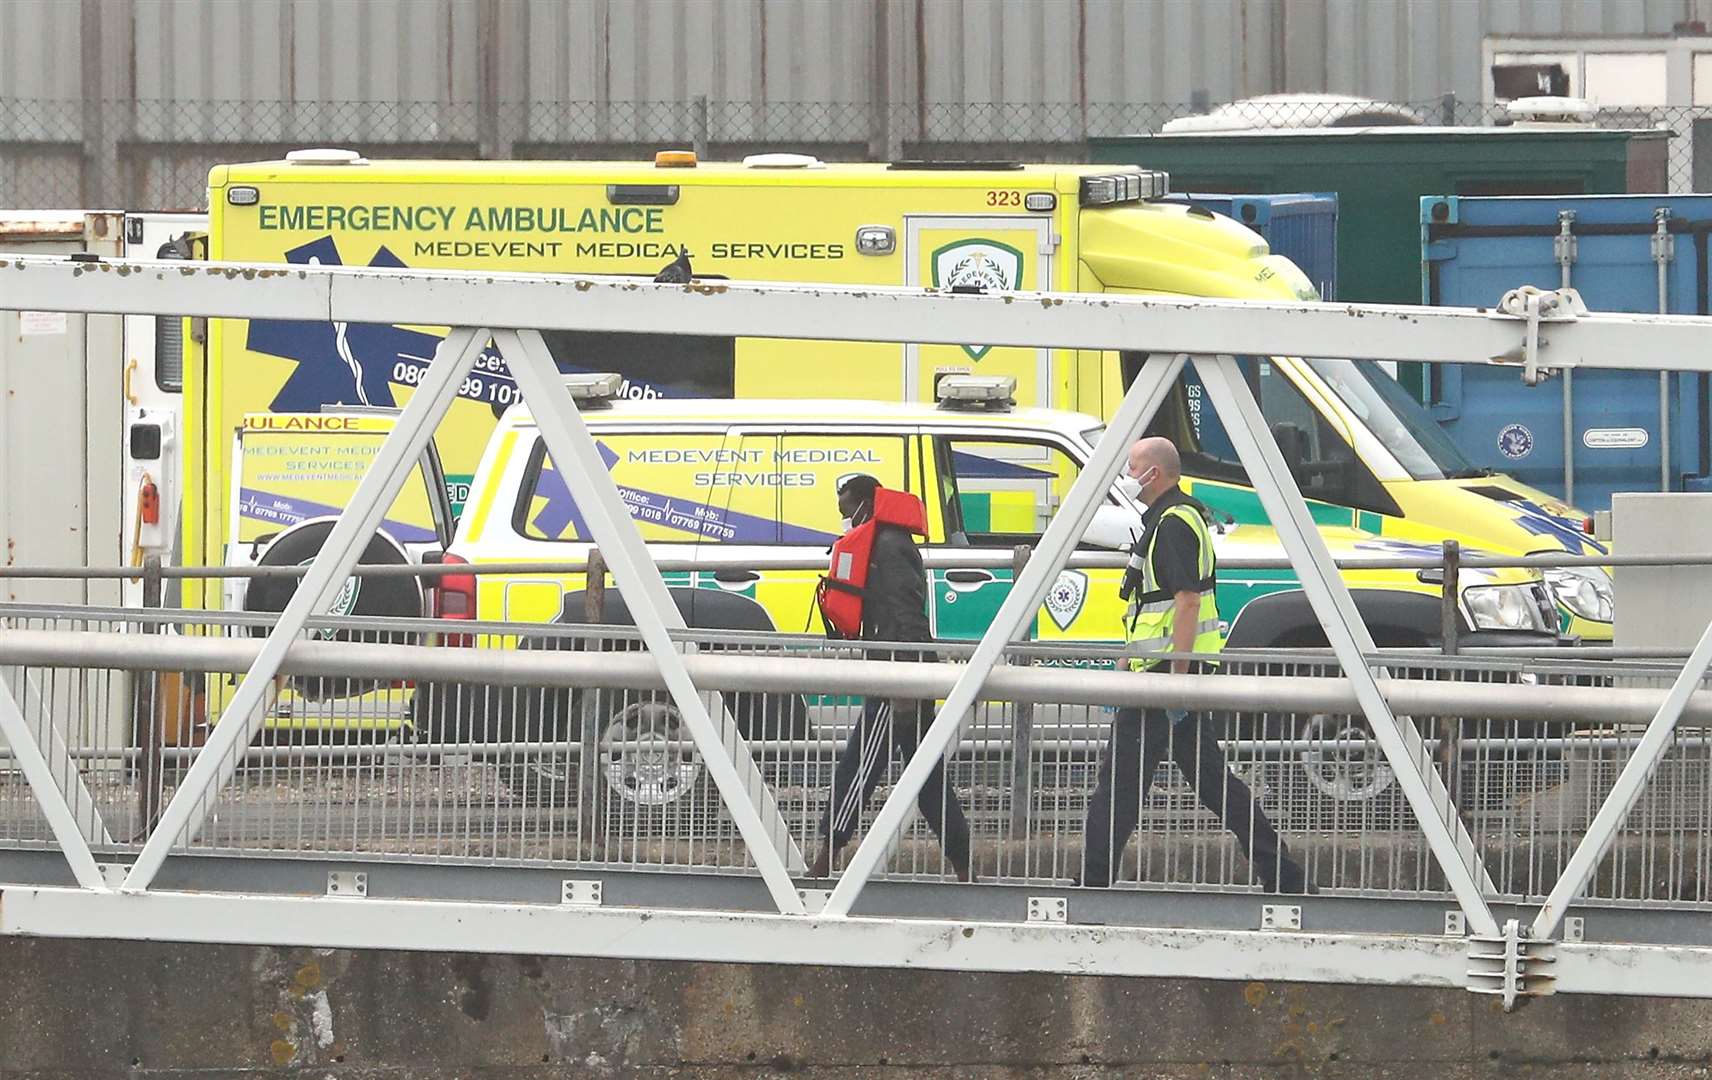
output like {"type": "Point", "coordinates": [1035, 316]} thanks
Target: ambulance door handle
{"type": "Point", "coordinates": [736, 577]}
{"type": "Point", "coordinates": [967, 580]}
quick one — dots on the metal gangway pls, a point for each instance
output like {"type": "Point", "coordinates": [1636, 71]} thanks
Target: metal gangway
{"type": "Point", "coordinates": [1517, 825]}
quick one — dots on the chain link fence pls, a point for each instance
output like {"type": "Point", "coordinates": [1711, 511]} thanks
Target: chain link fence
{"type": "Point", "coordinates": [156, 154]}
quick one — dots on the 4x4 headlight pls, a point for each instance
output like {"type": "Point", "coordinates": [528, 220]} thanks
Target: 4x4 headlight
{"type": "Point", "coordinates": [1503, 607]}
{"type": "Point", "coordinates": [1583, 590]}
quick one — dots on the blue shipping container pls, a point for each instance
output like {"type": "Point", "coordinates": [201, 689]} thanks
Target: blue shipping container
{"type": "Point", "coordinates": [1301, 226]}
{"type": "Point", "coordinates": [1619, 437]}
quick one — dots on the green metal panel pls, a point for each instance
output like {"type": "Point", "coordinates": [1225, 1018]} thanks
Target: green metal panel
{"type": "Point", "coordinates": [1380, 177]}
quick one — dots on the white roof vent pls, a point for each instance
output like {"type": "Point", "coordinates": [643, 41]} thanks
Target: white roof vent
{"type": "Point", "coordinates": [783, 161]}
{"type": "Point", "coordinates": [1555, 111]}
{"type": "Point", "coordinates": [326, 155]}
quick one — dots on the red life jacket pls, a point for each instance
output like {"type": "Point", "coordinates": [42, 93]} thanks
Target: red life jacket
{"type": "Point", "coordinates": [841, 591]}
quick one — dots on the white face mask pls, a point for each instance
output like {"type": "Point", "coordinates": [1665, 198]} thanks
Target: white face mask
{"type": "Point", "coordinates": [845, 524]}
{"type": "Point", "coordinates": [1131, 486]}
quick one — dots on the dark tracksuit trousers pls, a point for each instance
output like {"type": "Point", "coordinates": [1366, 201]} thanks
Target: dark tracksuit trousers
{"type": "Point", "coordinates": [892, 725]}
{"type": "Point", "coordinates": [1140, 741]}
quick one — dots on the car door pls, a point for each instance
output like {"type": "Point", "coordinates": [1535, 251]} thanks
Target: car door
{"type": "Point", "coordinates": [665, 478]}
{"type": "Point", "coordinates": [996, 490]}
{"type": "Point", "coordinates": [804, 470]}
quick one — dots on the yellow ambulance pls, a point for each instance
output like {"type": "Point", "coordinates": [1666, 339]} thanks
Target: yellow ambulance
{"type": "Point", "coordinates": [1366, 453]}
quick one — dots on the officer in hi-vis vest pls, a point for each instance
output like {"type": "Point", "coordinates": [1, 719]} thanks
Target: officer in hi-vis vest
{"type": "Point", "coordinates": [1170, 586]}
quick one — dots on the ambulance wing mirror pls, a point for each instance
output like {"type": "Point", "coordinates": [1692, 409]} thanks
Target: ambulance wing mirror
{"type": "Point", "coordinates": [1114, 528]}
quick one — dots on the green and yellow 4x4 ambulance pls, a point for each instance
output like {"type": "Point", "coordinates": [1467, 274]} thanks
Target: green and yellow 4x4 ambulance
{"type": "Point", "coordinates": [753, 482]}
{"type": "Point", "coordinates": [751, 479]}
{"type": "Point", "coordinates": [1363, 453]}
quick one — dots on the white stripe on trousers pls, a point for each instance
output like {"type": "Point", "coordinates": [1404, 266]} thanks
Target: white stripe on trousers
{"type": "Point", "coordinates": [851, 804]}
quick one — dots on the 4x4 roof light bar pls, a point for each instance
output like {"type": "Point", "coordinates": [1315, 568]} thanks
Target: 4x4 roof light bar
{"type": "Point", "coordinates": [594, 385]}
{"type": "Point", "coordinates": [976, 391]}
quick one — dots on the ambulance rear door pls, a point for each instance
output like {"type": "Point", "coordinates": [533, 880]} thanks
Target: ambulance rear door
{"type": "Point", "coordinates": [153, 444]}
{"type": "Point", "coordinates": [985, 254]}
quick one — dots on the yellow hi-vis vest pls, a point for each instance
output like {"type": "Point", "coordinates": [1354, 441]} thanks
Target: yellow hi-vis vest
{"type": "Point", "coordinates": [1153, 611]}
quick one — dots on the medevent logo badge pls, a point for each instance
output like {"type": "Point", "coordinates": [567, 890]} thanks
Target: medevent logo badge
{"type": "Point", "coordinates": [983, 265]}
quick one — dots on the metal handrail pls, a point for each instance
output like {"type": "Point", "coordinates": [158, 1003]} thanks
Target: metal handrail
{"type": "Point", "coordinates": [932, 558]}
{"type": "Point", "coordinates": [1559, 659]}
{"type": "Point", "coordinates": [786, 674]}
{"type": "Point", "coordinates": [332, 752]}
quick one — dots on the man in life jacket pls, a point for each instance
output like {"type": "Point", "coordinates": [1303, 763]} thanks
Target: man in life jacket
{"type": "Point", "coordinates": [876, 590]}
{"type": "Point", "coordinates": [1170, 586]}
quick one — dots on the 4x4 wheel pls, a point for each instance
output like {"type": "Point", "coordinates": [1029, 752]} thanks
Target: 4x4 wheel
{"type": "Point", "coordinates": [646, 757]}
{"type": "Point", "coordinates": [644, 760]}
{"type": "Point", "coordinates": [1345, 763]}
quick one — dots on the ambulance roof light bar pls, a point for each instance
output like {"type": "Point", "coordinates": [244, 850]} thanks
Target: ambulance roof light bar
{"type": "Point", "coordinates": [594, 387]}
{"type": "Point", "coordinates": [1128, 186]}
{"type": "Point", "coordinates": [995, 392]}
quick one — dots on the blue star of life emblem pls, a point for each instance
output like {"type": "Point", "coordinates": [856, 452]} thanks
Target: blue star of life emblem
{"type": "Point", "coordinates": [360, 363]}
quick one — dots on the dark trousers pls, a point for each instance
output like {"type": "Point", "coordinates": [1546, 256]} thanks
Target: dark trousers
{"type": "Point", "coordinates": [889, 724]}
{"type": "Point", "coordinates": [1139, 742]}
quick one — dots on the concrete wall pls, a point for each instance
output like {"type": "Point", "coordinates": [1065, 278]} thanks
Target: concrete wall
{"type": "Point", "coordinates": [107, 1009]}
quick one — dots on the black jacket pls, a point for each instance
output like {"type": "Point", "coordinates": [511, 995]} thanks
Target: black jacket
{"type": "Point", "coordinates": [894, 603]}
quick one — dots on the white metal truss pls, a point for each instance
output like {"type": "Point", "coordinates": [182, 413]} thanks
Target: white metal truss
{"type": "Point", "coordinates": [39, 774]}
{"type": "Point", "coordinates": [1532, 331]}
{"type": "Point", "coordinates": [1410, 761]}
{"type": "Point", "coordinates": [51, 744]}
{"type": "Point", "coordinates": [242, 718]}
{"type": "Point", "coordinates": [725, 753]}
{"type": "Point", "coordinates": [1288, 511]}
{"type": "Point", "coordinates": [1562, 338]}
{"type": "Point", "coordinates": [1614, 811]}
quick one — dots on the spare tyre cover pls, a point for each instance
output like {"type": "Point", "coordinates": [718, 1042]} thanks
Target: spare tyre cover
{"type": "Point", "coordinates": [386, 597]}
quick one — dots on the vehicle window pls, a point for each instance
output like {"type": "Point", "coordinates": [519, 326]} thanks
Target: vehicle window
{"type": "Point", "coordinates": [664, 480]}
{"type": "Point", "coordinates": [290, 476]}
{"type": "Point", "coordinates": [169, 336]}
{"type": "Point", "coordinates": [816, 464]}
{"type": "Point", "coordinates": [1188, 420]}
{"type": "Point", "coordinates": [653, 365]}
{"type": "Point", "coordinates": [1001, 491]}
{"type": "Point", "coordinates": [1319, 455]}
{"type": "Point", "coordinates": [1396, 419]}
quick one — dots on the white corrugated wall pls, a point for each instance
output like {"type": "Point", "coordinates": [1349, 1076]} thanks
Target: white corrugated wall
{"type": "Point", "coordinates": [750, 52]}
{"type": "Point", "coordinates": [187, 82]}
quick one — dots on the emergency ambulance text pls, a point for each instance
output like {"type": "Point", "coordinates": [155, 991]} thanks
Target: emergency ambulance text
{"type": "Point", "coordinates": [634, 220]}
